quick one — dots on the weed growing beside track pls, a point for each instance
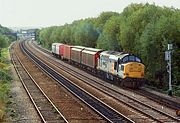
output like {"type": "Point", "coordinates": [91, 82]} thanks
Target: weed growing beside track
{"type": "Point", "coordinates": [5, 79]}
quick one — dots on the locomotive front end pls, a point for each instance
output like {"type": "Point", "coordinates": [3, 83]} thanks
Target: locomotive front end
{"type": "Point", "coordinates": [134, 70]}
{"type": "Point", "coordinates": [131, 70]}
{"type": "Point", "coordinates": [133, 75]}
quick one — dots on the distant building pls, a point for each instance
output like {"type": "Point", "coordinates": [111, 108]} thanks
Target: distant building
{"type": "Point", "coordinates": [27, 34]}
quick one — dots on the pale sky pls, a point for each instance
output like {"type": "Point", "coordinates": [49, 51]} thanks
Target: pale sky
{"type": "Point", "coordinates": [43, 13]}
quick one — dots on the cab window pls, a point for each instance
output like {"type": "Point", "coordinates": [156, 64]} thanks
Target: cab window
{"type": "Point", "coordinates": [137, 59]}
{"type": "Point", "coordinates": [130, 59]}
{"type": "Point", "coordinates": [125, 59]}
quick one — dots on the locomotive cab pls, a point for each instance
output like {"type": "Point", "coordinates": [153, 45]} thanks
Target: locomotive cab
{"type": "Point", "coordinates": [131, 70]}
{"type": "Point", "coordinates": [130, 66]}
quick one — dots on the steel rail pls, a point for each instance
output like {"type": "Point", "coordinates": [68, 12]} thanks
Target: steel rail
{"type": "Point", "coordinates": [103, 109]}
{"type": "Point", "coordinates": [159, 99]}
{"type": "Point", "coordinates": [29, 93]}
{"type": "Point", "coordinates": [148, 106]}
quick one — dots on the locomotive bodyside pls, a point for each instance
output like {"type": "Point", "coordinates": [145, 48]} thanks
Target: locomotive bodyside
{"type": "Point", "coordinates": [108, 64]}
{"type": "Point", "coordinates": [103, 61]}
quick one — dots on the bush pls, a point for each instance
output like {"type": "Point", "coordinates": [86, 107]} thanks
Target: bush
{"type": "Point", "coordinates": [4, 75]}
{"type": "Point", "coordinates": [5, 78]}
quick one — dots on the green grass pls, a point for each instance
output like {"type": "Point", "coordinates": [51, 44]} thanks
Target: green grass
{"type": "Point", "coordinates": [5, 79]}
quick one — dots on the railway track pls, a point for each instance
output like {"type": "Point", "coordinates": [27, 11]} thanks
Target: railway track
{"type": "Point", "coordinates": [158, 98]}
{"type": "Point", "coordinates": [142, 91]}
{"type": "Point", "coordinates": [158, 115]}
{"type": "Point", "coordinates": [72, 108]}
{"type": "Point", "coordinates": [110, 114]}
{"type": "Point", "coordinates": [45, 108]}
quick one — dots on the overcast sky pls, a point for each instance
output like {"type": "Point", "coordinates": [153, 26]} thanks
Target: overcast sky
{"type": "Point", "coordinates": [43, 13]}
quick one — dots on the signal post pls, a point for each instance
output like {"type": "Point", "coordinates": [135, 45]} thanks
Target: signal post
{"type": "Point", "coordinates": [169, 60]}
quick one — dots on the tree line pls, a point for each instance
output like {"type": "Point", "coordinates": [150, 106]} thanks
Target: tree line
{"type": "Point", "coordinates": [141, 29]}
{"type": "Point", "coordinates": [5, 39]}
{"type": "Point", "coordinates": [5, 76]}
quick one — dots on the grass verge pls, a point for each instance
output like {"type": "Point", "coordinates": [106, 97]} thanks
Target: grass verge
{"type": "Point", "coordinates": [5, 79]}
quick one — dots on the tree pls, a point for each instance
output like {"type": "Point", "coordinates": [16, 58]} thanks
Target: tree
{"type": "Point", "coordinates": [66, 34]}
{"type": "Point", "coordinates": [45, 36]}
{"type": "Point", "coordinates": [86, 35]}
{"type": "Point", "coordinates": [3, 41]}
{"type": "Point", "coordinates": [141, 29]}
{"type": "Point", "coordinates": [101, 20]}
{"type": "Point", "coordinates": [109, 38]}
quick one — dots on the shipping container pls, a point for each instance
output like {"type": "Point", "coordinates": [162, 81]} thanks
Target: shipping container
{"type": "Point", "coordinates": [66, 52]}
{"type": "Point", "coordinates": [55, 48]}
{"type": "Point", "coordinates": [76, 53]}
{"type": "Point", "coordinates": [58, 48]}
{"type": "Point", "coordinates": [90, 57]}
{"type": "Point", "coordinates": [61, 50]}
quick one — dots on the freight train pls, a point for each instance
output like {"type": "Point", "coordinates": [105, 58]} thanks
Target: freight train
{"type": "Point", "coordinates": [122, 68]}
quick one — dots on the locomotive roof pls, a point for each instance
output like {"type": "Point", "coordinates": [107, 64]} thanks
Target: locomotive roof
{"type": "Point", "coordinates": [119, 56]}
{"type": "Point", "coordinates": [114, 55]}
{"type": "Point", "coordinates": [123, 55]}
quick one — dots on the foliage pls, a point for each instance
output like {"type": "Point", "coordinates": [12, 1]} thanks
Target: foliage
{"type": "Point", "coordinates": [45, 36]}
{"type": "Point", "coordinates": [4, 67]}
{"type": "Point", "coordinates": [102, 19]}
{"type": "Point", "coordinates": [142, 29]}
{"type": "Point", "coordinates": [4, 82]}
{"type": "Point", "coordinates": [4, 30]}
{"type": "Point", "coordinates": [109, 39]}
{"type": "Point", "coordinates": [86, 35]}
{"type": "Point", "coordinates": [4, 89]}
{"type": "Point", "coordinates": [4, 40]}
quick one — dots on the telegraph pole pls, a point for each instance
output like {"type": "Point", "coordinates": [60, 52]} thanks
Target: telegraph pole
{"type": "Point", "coordinates": [168, 58]}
